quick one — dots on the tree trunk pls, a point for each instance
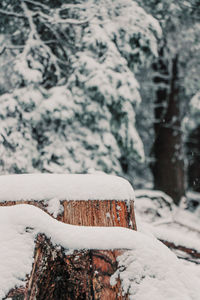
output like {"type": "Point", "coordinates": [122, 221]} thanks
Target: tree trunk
{"type": "Point", "coordinates": [168, 167]}
{"type": "Point", "coordinates": [80, 274]}
{"type": "Point", "coordinates": [193, 155]}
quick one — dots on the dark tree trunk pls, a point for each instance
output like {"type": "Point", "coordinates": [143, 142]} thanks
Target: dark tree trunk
{"type": "Point", "coordinates": [168, 167]}
{"type": "Point", "coordinates": [193, 155]}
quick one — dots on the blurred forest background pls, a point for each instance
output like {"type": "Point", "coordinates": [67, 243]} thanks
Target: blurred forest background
{"type": "Point", "coordinates": [102, 85]}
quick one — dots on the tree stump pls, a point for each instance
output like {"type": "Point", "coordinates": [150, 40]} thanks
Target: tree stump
{"type": "Point", "coordinates": [80, 274]}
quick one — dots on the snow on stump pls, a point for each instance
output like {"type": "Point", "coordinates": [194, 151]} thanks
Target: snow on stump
{"type": "Point", "coordinates": [84, 200]}
{"type": "Point", "coordinates": [87, 200]}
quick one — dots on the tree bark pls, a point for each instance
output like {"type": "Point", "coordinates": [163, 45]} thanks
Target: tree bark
{"type": "Point", "coordinates": [83, 274]}
{"type": "Point", "coordinates": [168, 167]}
{"type": "Point", "coordinates": [193, 155]}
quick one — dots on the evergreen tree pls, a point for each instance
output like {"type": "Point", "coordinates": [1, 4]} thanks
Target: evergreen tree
{"type": "Point", "coordinates": [73, 106]}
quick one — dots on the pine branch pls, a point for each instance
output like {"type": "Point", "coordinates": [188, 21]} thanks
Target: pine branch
{"type": "Point", "coordinates": [35, 3]}
{"type": "Point", "coordinates": [12, 14]}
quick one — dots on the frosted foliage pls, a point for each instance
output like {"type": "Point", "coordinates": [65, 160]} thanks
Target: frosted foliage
{"type": "Point", "coordinates": [139, 41]}
{"type": "Point", "coordinates": [192, 121]}
{"type": "Point", "coordinates": [90, 121]}
{"type": "Point", "coordinates": [29, 75]}
{"type": "Point", "coordinates": [195, 108]}
{"type": "Point", "coordinates": [55, 134]}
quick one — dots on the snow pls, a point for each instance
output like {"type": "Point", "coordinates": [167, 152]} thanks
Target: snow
{"type": "Point", "coordinates": [177, 235]}
{"type": "Point", "coordinates": [147, 268]}
{"type": "Point", "coordinates": [195, 102]}
{"type": "Point", "coordinates": [191, 195]}
{"type": "Point", "coordinates": [158, 275]}
{"type": "Point", "coordinates": [54, 207]}
{"type": "Point", "coordinates": [157, 216]}
{"type": "Point", "coordinates": [39, 187]}
{"type": "Point", "coordinates": [153, 194]}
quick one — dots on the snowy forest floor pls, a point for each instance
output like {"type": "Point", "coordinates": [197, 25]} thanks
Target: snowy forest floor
{"type": "Point", "coordinates": [177, 227]}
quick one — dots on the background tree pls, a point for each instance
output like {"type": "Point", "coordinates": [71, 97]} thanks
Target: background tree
{"type": "Point", "coordinates": [192, 126]}
{"type": "Point", "coordinates": [72, 107]}
{"type": "Point", "coordinates": [171, 74]}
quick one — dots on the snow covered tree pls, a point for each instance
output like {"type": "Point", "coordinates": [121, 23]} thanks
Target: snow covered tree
{"type": "Point", "coordinates": [73, 106]}
{"type": "Point", "coordinates": [192, 125]}
{"type": "Point", "coordinates": [171, 81]}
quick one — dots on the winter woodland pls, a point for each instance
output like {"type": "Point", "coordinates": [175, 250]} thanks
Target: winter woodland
{"type": "Point", "coordinates": [103, 87]}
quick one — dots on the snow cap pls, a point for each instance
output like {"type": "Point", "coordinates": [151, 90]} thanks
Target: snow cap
{"type": "Point", "coordinates": [37, 187]}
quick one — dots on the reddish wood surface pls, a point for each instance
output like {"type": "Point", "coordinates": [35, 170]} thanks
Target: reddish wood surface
{"type": "Point", "coordinates": [99, 213]}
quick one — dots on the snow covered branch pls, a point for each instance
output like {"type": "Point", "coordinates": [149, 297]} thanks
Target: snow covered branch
{"type": "Point", "coordinates": [12, 14]}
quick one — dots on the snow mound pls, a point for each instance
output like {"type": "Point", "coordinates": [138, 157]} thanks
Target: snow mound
{"type": "Point", "coordinates": [159, 217]}
{"type": "Point", "coordinates": [153, 205]}
{"type": "Point", "coordinates": [149, 268]}
{"type": "Point", "coordinates": [64, 187]}
{"type": "Point", "coordinates": [154, 274]}
{"type": "Point", "coordinates": [193, 199]}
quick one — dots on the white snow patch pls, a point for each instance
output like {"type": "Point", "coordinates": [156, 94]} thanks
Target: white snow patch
{"type": "Point", "coordinates": [177, 235]}
{"type": "Point", "coordinates": [64, 187]}
{"type": "Point", "coordinates": [155, 275]}
{"type": "Point", "coordinates": [191, 195]}
{"type": "Point", "coordinates": [108, 215]}
{"type": "Point", "coordinates": [54, 207]}
{"type": "Point", "coordinates": [157, 216]}
{"type": "Point", "coordinates": [153, 194]}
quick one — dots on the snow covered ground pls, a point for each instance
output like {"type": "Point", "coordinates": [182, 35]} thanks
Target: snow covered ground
{"type": "Point", "coordinates": [157, 215]}
{"type": "Point", "coordinates": [147, 269]}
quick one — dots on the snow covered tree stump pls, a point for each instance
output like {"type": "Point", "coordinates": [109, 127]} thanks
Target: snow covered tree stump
{"type": "Point", "coordinates": [87, 201]}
